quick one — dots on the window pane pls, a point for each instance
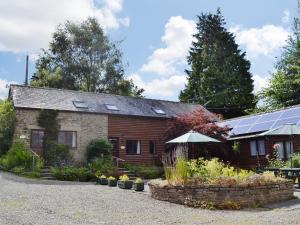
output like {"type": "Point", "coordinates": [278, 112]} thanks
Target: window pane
{"type": "Point", "coordinates": [152, 146]}
{"type": "Point", "coordinates": [133, 147]}
{"type": "Point", "coordinates": [289, 148]}
{"type": "Point", "coordinates": [67, 138]}
{"type": "Point", "coordinates": [261, 145]}
{"type": "Point", "coordinates": [253, 148]}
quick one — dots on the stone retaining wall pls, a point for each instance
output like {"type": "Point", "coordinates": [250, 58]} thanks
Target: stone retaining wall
{"type": "Point", "coordinates": [220, 196]}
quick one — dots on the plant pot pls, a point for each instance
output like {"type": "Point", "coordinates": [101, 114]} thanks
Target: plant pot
{"type": "Point", "coordinates": [112, 183]}
{"type": "Point", "coordinates": [125, 184]}
{"type": "Point", "coordinates": [138, 186]}
{"type": "Point", "coordinates": [102, 181]}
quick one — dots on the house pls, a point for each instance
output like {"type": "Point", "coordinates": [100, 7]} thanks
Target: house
{"type": "Point", "coordinates": [135, 126]}
{"type": "Point", "coordinates": [253, 149]}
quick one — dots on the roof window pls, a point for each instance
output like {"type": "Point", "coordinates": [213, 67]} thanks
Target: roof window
{"type": "Point", "coordinates": [80, 104]}
{"type": "Point", "coordinates": [159, 111]}
{"type": "Point", "coordinates": [111, 107]}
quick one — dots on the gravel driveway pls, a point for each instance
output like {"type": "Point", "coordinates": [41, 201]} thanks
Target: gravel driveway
{"type": "Point", "coordinates": [25, 201]}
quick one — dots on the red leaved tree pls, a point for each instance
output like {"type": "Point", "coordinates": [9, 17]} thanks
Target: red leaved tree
{"type": "Point", "coordinates": [199, 120]}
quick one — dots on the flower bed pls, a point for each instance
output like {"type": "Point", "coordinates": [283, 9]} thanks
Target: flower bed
{"type": "Point", "coordinates": [222, 196]}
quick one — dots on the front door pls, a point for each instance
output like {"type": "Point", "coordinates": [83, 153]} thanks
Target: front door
{"type": "Point", "coordinates": [115, 142]}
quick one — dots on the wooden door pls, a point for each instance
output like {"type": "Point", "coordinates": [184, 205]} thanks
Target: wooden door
{"type": "Point", "coordinates": [115, 142]}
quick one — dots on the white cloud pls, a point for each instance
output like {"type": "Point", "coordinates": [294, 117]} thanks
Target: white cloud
{"type": "Point", "coordinates": [261, 41]}
{"type": "Point", "coordinates": [26, 26]}
{"type": "Point", "coordinates": [4, 88]}
{"type": "Point", "coordinates": [286, 16]}
{"type": "Point", "coordinates": [259, 83]}
{"type": "Point", "coordinates": [162, 87]}
{"type": "Point", "coordinates": [177, 38]}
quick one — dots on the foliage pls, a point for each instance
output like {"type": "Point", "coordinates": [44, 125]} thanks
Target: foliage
{"type": "Point", "coordinates": [17, 156]}
{"type": "Point", "coordinates": [274, 161]}
{"type": "Point", "coordinates": [138, 181]}
{"type": "Point", "coordinates": [47, 119]}
{"type": "Point", "coordinates": [58, 154]}
{"type": "Point", "coordinates": [71, 173]}
{"type": "Point", "coordinates": [145, 171]}
{"type": "Point", "coordinates": [236, 147]}
{"type": "Point", "coordinates": [111, 178]}
{"type": "Point", "coordinates": [295, 161]}
{"type": "Point", "coordinates": [124, 178]}
{"type": "Point", "coordinates": [7, 120]}
{"type": "Point", "coordinates": [98, 148]}
{"type": "Point", "coordinates": [98, 174]}
{"type": "Point", "coordinates": [103, 165]}
{"type": "Point", "coordinates": [199, 120]}
{"type": "Point", "coordinates": [220, 75]}
{"type": "Point", "coordinates": [284, 86]}
{"type": "Point", "coordinates": [81, 57]}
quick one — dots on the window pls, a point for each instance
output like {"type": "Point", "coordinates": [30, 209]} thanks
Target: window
{"type": "Point", "coordinates": [159, 111]}
{"type": "Point", "coordinates": [284, 149]}
{"type": "Point", "coordinates": [152, 147]}
{"type": "Point", "coordinates": [133, 147]}
{"type": "Point", "coordinates": [68, 138]}
{"type": "Point", "coordinates": [111, 107]}
{"type": "Point", "coordinates": [257, 147]}
{"type": "Point", "coordinates": [80, 104]}
{"type": "Point", "coordinates": [37, 138]}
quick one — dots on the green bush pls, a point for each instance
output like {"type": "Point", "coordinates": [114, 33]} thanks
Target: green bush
{"type": "Point", "coordinates": [104, 165]}
{"type": "Point", "coordinates": [295, 161]}
{"type": "Point", "coordinates": [71, 173]}
{"type": "Point", "coordinates": [145, 171]}
{"type": "Point", "coordinates": [58, 154]}
{"type": "Point", "coordinates": [17, 156]}
{"type": "Point", "coordinates": [7, 120]}
{"type": "Point", "coordinates": [98, 148]}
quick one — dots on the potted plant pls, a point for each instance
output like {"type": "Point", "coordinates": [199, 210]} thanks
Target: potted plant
{"type": "Point", "coordinates": [112, 182]}
{"type": "Point", "coordinates": [98, 175]}
{"type": "Point", "coordinates": [124, 182]}
{"type": "Point", "coordinates": [138, 184]}
{"type": "Point", "coordinates": [103, 180]}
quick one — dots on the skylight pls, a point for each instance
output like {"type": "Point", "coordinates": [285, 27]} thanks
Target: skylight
{"type": "Point", "coordinates": [159, 111]}
{"type": "Point", "coordinates": [111, 107]}
{"type": "Point", "coordinates": [80, 104]}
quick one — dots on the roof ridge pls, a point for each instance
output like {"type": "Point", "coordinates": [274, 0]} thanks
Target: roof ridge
{"type": "Point", "coordinates": [88, 92]}
{"type": "Point", "coordinates": [262, 113]}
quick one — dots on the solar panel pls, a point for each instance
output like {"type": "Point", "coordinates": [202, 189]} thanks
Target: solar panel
{"type": "Point", "coordinates": [263, 122]}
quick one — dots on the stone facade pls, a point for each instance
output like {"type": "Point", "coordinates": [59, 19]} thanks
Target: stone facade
{"type": "Point", "coordinates": [88, 126]}
{"type": "Point", "coordinates": [222, 196]}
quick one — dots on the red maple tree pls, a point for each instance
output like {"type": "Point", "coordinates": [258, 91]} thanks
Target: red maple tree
{"type": "Point", "coordinates": [199, 120]}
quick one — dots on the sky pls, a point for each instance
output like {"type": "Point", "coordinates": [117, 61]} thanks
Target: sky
{"type": "Point", "coordinates": [155, 35]}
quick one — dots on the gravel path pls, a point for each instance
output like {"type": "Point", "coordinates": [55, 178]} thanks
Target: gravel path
{"type": "Point", "coordinates": [25, 201]}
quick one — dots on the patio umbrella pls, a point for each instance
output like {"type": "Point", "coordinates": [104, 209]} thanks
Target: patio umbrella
{"type": "Point", "coordinates": [284, 130]}
{"type": "Point", "coordinates": [193, 137]}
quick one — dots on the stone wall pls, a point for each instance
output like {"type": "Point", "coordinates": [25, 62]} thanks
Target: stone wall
{"type": "Point", "coordinates": [222, 196]}
{"type": "Point", "coordinates": [87, 125]}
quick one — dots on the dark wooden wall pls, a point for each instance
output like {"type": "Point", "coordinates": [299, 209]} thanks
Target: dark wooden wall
{"type": "Point", "coordinates": [143, 129]}
{"type": "Point", "coordinates": [244, 159]}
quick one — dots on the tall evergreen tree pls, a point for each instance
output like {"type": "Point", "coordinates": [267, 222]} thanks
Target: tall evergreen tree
{"type": "Point", "coordinates": [81, 57]}
{"type": "Point", "coordinates": [219, 77]}
{"type": "Point", "coordinates": [284, 85]}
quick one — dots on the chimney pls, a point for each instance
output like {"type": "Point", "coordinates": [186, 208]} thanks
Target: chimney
{"type": "Point", "coordinates": [26, 71]}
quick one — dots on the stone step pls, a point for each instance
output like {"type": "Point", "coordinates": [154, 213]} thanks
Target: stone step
{"type": "Point", "coordinates": [48, 178]}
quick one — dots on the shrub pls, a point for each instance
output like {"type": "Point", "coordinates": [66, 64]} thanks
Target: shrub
{"type": "Point", "coordinates": [71, 173]}
{"type": "Point", "coordinates": [98, 148]}
{"type": "Point", "coordinates": [124, 178]}
{"type": "Point", "coordinates": [7, 120]}
{"type": "Point", "coordinates": [295, 161]}
{"type": "Point", "coordinates": [17, 156]}
{"type": "Point", "coordinates": [58, 154]}
{"type": "Point", "coordinates": [103, 165]}
{"type": "Point", "coordinates": [145, 171]}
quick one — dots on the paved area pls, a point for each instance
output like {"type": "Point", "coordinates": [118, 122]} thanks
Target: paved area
{"type": "Point", "coordinates": [25, 201]}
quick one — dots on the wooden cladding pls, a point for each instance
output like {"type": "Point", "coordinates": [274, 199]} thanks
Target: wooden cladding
{"type": "Point", "coordinates": [144, 129]}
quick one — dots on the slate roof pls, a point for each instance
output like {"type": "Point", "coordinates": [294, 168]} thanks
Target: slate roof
{"type": "Point", "coordinates": [50, 98]}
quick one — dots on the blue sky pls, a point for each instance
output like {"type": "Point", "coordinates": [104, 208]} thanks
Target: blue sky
{"type": "Point", "coordinates": [155, 34]}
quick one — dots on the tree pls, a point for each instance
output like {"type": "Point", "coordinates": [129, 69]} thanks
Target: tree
{"type": "Point", "coordinates": [7, 120]}
{"type": "Point", "coordinates": [81, 57]}
{"type": "Point", "coordinates": [219, 77]}
{"type": "Point", "coordinates": [284, 85]}
{"type": "Point", "coordinates": [199, 120]}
